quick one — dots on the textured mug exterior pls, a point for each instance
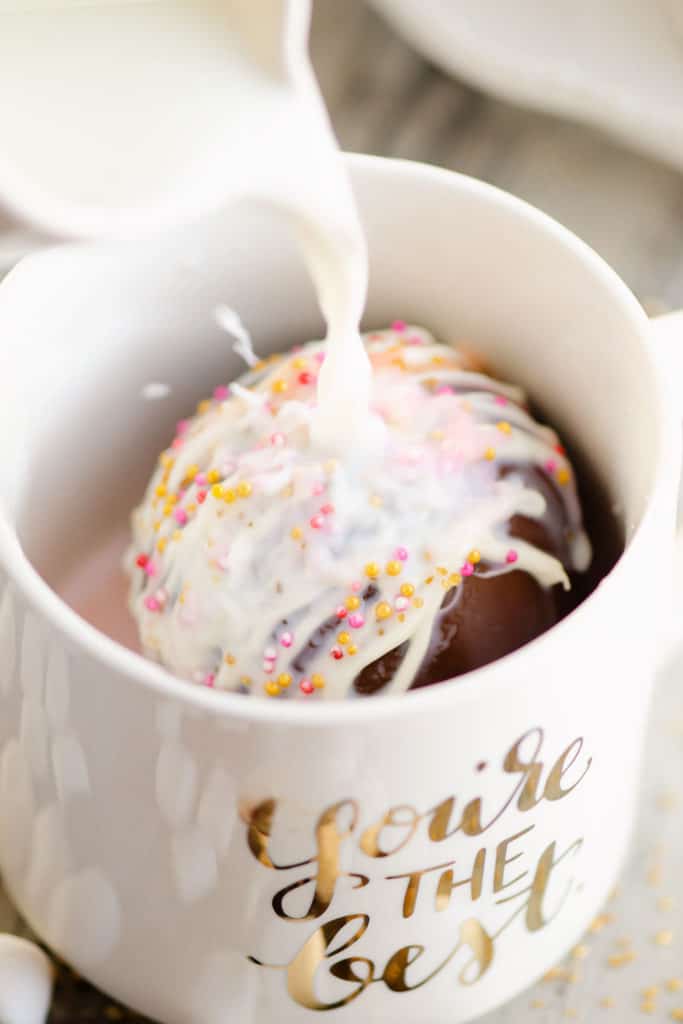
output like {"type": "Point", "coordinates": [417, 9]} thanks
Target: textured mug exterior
{"type": "Point", "coordinates": [202, 856]}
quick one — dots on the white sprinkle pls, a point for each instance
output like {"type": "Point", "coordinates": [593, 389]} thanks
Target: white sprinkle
{"type": "Point", "coordinates": [155, 390]}
{"type": "Point", "coordinates": [229, 321]}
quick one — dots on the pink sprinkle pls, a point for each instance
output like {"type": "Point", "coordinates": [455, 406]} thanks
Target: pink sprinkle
{"type": "Point", "coordinates": [356, 621]}
{"type": "Point", "coordinates": [341, 612]}
{"type": "Point", "coordinates": [306, 686]}
{"type": "Point", "coordinates": [286, 639]}
{"type": "Point", "coordinates": [268, 666]}
{"type": "Point", "coordinates": [181, 427]}
{"type": "Point", "coordinates": [415, 339]}
{"type": "Point", "coordinates": [356, 586]}
{"type": "Point", "coordinates": [201, 480]}
{"type": "Point", "coordinates": [201, 497]}
{"type": "Point", "coordinates": [511, 556]}
{"type": "Point", "coordinates": [317, 522]}
{"type": "Point", "coordinates": [180, 516]}
{"type": "Point", "coordinates": [223, 562]}
{"type": "Point", "coordinates": [209, 679]}
{"type": "Point", "coordinates": [327, 510]}
{"type": "Point", "coordinates": [177, 443]}
{"type": "Point", "coordinates": [151, 568]}
{"type": "Point", "coordinates": [401, 553]}
{"type": "Point", "coordinates": [320, 357]}
{"type": "Point", "coordinates": [398, 325]}
{"type": "Point", "coordinates": [401, 603]}
{"type": "Point", "coordinates": [501, 400]}
{"type": "Point", "coordinates": [151, 604]}
{"type": "Point", "coordinates": [467, 569]}
{"type": "Point", "coordinates": [270, 654]}
{"type": "Point", "coordinates": [551, 466]}
{"type": "Point", "coordinates": [277, 439]}
{"type": "Point", "coordinates": [337, 653]}
{"type": "Point", "coordinates": [317, 489]}
{"type": "Point", "coordinates": [445, 389]}
{"type": "Point", "coordinates": [221, 393]}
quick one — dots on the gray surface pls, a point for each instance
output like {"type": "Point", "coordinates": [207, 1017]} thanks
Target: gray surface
{"type": "Point", "coordinates": [384, 99]}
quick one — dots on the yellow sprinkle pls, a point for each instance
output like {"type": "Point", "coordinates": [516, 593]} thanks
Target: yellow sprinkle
{"type": "Point", "coordinates": [229, 496]}
{"type": "Point", "coordinates": [213, 476]}
{"type": "Point", "coordinates": [352, 603]}
{"type": "Point", "coordinates": [664, 938]}
{"type": "Point", "coordinates": [371, 570]}
{"type": "Point", "coordinates": [474, 556]}
{"type": "Point", "coordinates": [607, 1003]}
{"type": "Point", "coordinates": [650, 992]}
{"type": "Point", "coordinates": [417, 602]}
{"type": "Point", "coordinates": [191, 472]}
{"type": "Point", "coordinates": [563, 476]}
{"type": "Point", "coordinates": [177, 534]}
{"type": "Point", "coordinates": [352, 649]}
{"type": "Point", "coordinates": [284, 679]}
{"type": "Point", "coordinates": [394, 568]}
{"type": "Point", "coordinates": [191, 508]}
{"type": "Point", "coordinates": [278, 386]}
{"type": "Point", "coordinates": [674, 984]}
{"type": "Point", "coordinates": [161, 544]}
{"type": "Point", "coordinates": [504, 427]}
{"type": "Point", "coordinates": [455, 579]}
{"type": "Point", "coordinates": [246, 680]}
{"type": "Point", "coordinates": [383, 610]}
{"type": "Point", "coordinates": [436, 435]}
{"type": "Point", "coordinates": [376, 500]}
{"type": "Point", "coordinates": [430, 579]}
{"type": "Point", "coordinates": [490, 454]}
{"type": "Point", "coordinates": [272, 688]}
{"type": "Point", "coordinates": [438, 360]}
{"type": "Point", "coordinates": [230, 659]}
{"type": "Point", "coordinates": [244, 488]}
{"type": "Point", "coordinates": [343, 638]}
{"type": "Point", "coordinates": [407, 589]}
{"type": "Point", "coordinates": [442, 570]}
{"type": "Point", "coordinates": [580, 952]}
{"type": "Point", "coordinates": [166, 460]}
{"type": "Point", "coordinates": [318, 680]}
{"type": "Point", "coordinates": [537, 1004]}
{"type": "Point", "coordinates": [203, 406]}
{"type": "Point", "coordinates": [330, 466]}
{"type": "Point", "coordinates": [299, 363]}
{"type": "Point", "coordinates": [600, 922]}
{"type": "Point", "coordinates": [401, 616]}
{"type": "Point", "coordinates": [677, 1014]}
{"type": "Point", "coordinates": [217, 491]}
{"type": "Point", "coordinates": [167, 510]}
{"type": "Point", "coordinates": [160, 491]}
{"type": "Point", "coordinates": [156, 526]}
{"type": "Point", "coordinates": [259, 365]}
{"type": "Point", "coordinates": [401, 363]}
{"type": "Point", "coordinates": [296, 533]}
{"type": "Point", "coordinates": [619, 959]}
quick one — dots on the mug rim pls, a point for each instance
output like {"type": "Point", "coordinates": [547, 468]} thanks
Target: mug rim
{"type": "Point", "coordinates": [475, 684]}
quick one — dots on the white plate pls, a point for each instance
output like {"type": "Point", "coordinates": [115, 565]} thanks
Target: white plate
{"type": "Point", "coordinates": [617, 64]}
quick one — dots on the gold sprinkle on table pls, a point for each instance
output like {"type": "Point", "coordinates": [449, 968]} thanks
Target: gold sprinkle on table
{"type": "Point", "coordinates": [674, 984]}
{"type": "Point", "coordinates": [607, 1003]}
{"type": "Point", "coordinates": [654, 876]}
{"type": "Point", "coordinates": [677, 1014]}
{"type": "Point", "coordinates": [665, 903]}
{"type": "Point", "coordinates": [537, 1004]}
{"type": "Point", "coordinates": [600, 922]}
{"type": "Point", "coordinates": [621, 959]}
{"type": "Point", "coordinates": [664, 938]}
{"type": "Point", "coordinates": [580, 952]}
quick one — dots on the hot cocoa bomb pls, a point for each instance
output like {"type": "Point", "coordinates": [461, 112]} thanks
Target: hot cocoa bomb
{"type": "Point", "coordinates": [264, 564]}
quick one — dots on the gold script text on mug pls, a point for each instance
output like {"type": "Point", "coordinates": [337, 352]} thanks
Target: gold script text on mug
{"type": "Point", "coordinates": [330, 833]}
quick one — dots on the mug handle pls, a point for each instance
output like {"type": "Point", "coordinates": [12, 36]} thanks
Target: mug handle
{"type": "Point", "coordinates": [667, 338]}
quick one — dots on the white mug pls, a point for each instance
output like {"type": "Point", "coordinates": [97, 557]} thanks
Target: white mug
{"type": "Point", "coordinates": [208, 856]}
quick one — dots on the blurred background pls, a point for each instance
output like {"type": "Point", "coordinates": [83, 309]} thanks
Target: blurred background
{"type": "Point", "coordinates": [615, 64]}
